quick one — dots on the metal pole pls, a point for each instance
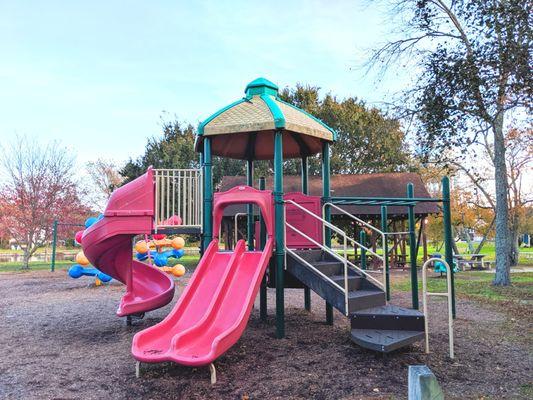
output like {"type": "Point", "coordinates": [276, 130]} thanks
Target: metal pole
{"type": "Point", "coordinates": [384, 229]}
{"type": "Point", "coordinates": [305, 190]}
{"type": "Point", "coordinates": [362, 240]}
{"type": "Point", "coordinates": [250, 207]}
{"type": "Point", "coordinates": [280, 237]}
{"type": "Point", "coordinates": [262, 241]}
{"type": "Point", "coordinates": [413, 253]}
{"type": "Point", "coordinates": [326, 192]}
{"type": "Point", "coordinates": [54, 245]}
{"type": "Point", "coordinates": [208, 193]}
{"type": "Point", "coordinates": [447, 220]}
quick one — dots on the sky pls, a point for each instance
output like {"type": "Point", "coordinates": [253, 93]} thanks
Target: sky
{"type": "Point", "coordinates": [98, 75]}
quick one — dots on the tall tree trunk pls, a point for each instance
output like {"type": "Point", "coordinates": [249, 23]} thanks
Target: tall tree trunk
{"type": "Point", "coordinates": [502, 276]}
{"type": "Point", "coordinates": [26, 259]}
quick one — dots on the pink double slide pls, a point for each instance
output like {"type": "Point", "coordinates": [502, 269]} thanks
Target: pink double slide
{"type": "Point", "coordinates": [214, 308]}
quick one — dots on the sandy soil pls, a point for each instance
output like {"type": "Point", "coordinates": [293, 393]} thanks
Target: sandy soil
{"type": "Point", "coordinates": [60, 339]}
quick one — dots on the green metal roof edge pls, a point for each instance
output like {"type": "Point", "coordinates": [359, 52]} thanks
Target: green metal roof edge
{"type": "Point", "coordinates": [202, 124]}
{"type": "Point", "coordinates": [277, 114]}
{"type": "Point", "coordinates": [333, 131]}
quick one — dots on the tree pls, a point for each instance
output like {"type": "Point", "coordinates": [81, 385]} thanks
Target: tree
{"type": "Point", "coordinates": [38, 186]}
{"type": "Point", "coordinates": [473, 59]}
{"type": "Point", "coordinates": [174, 150]}
{"type": "Point", "coordinates": [105, 177]}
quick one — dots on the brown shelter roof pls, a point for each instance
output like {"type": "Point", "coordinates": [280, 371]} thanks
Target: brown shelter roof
{"type": "Point", "coordinates": [361, 185]}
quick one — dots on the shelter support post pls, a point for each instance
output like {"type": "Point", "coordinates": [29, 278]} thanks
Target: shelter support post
{"type": "Point", "coordinates": [384, 229]}
{"type": "Point", "coordinates": [326, 193]}
{"type": "Point", "coordinates": [413, 248]}
{"type": "Point", "coordinates": [280, 239]}
{"type": "Point", "coordinates": [447, 220]}
{"type": "Point", "coordinates": [250, 207]}
{"type": "Point", "coordinates": [362, 240]}
{"type": "Point", "coordinates": [262, 241]}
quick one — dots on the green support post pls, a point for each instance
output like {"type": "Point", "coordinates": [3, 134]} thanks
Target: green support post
{"type": "Point", "coordinates": [362, 240]}
{"type": "Point", "coordinates": [447, 220]}
{"type": "Point", "coordinates": [280, 239]}
{"type": "Point", "coordinates": [54, 245]}
{"type": "Point", "coordinates": [413, 253]}
{"type": "Point", "coordinates": [262, 241]}
{"type": "Point", "coordinates": [208, 193]}
{"type": "Point", "coordinates": [250, 207]}
{"type": "Point", "coordinates": [203, 207]}
{"type": "Point", "coordinates": [384, 229]}
{"type": "Point", "coordinates": [305, 190]}
{"type": "Point", "coordinates": [326, 192]}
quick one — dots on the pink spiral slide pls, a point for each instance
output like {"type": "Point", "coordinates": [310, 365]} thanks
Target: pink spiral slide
{"type": "Point", "coordinates": [108, 246]}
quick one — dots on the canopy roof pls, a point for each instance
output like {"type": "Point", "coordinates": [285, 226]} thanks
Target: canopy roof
{"type": "Point", "coordinates": [245, 129]}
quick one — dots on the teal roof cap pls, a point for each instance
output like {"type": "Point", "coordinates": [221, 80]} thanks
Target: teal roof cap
{"type": "Point", "coordinates": [261, 86]}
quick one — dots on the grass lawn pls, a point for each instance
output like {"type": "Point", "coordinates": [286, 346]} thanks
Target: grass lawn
{"type": "Point", "coordinates": [477, 285]}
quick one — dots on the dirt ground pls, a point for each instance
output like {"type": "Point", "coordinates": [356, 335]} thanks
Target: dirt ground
{"type": "Point", "coordinates": [60, 339]}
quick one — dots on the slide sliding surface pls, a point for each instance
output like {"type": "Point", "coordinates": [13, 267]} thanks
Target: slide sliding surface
{"type": "Point", "coordinates": [212, 312]}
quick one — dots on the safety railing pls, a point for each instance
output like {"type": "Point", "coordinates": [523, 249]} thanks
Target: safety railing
{"type": "Point", "coordinates": [347, 264]}
{"type": "Point", "coordinates": [357, 243]}
{"type": "Point", "coordinates": [447, 294]}
{"type": "Point", "coordinates": [178, 192]}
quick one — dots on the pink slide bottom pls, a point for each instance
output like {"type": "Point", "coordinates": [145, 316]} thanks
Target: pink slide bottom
{"type": "Point", "coordinates": [212, 312]}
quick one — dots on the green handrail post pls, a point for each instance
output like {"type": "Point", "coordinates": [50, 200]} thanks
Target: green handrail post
{"type": "Point", "coordinates": [384, 229]}
{"type": "Point", "coordinates": [279, 228]}
{"type": "Point", "coordinates": [362, 240]}
{"type": "Point", "coordinates": [202, 205]}
{"type": "Point", "coordinates": [447, 220]}
{"type": "Point", "coordinates": [208, 193]}
{"type": "Point", "coordinates": [54, 245]}
{"type": "Point", "coordinates": [413, 253]}
{"type": "Point", "coordinates": [305, 190]}
{"type": "Point", "coordinates": [262, 241]}
{"type": "Point", "coordinates": [250, 207]}
{"type": "Point", "coordinates": [326, 197]}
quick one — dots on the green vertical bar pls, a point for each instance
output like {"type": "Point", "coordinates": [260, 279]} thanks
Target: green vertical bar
{"type": "Point", "coordinates": [305, 190]}
{"type": "Point", "coordinates": [250, 207]}
{"type": "Point", "coordinates": [362, 240]}
{"type": "Point", "coordinates": [208, 193]}
{"type": "Point", "coordinates": [326, 190]}
{"type": "Point", "coordinates": [412, 247]}
{"type": "Point", "coordinates": [280, 226]}
{"type": "Point", "coordinates": [54, 245]}
{"type": "Point", "coordinates": [384, 229]}
{"type": "Point", "coordinates": [447, 219]}
{"type": "Point", "coordinates": [202, 205]}
{"type": "Point", "coordinates": [262, 241]}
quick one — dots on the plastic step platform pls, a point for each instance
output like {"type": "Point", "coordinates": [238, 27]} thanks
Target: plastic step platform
{"type": "Point", "coordinates": [385, 340]}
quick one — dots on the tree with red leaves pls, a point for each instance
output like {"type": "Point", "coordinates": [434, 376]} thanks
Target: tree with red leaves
{"type": "Point", "coordinates": [37, 186]}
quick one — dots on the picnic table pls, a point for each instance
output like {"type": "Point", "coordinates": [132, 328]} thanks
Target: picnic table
{"type": "Point", "coordinates": [475, 261]}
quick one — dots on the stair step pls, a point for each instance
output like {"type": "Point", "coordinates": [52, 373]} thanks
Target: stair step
{"type": "Point", "coordinates": [363, 299]}
{"type": "Point", "coordinates": [329, 268]}
{"type": "Point", "coordinates": [388, 317]}
{"type": "Point", "coordinates": [385, 340]}
{"type": "Point", "coordinates": [354, 281]}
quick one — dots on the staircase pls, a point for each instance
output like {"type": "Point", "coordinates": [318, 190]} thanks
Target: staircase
{"type": "Point", "coordinates": [375, 325]}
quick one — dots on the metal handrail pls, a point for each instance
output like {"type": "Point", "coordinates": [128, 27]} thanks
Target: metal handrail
{"type": "Point", "coordinates": [235, 233]}
{"type": "Point", "coordinates": [448, 295]}
{"type": "Point", "coordinates": [327, 249]}
{"type": "Point", "coordinates": [354, 241]}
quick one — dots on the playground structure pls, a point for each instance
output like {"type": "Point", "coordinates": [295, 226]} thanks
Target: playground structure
{"type": "Point", "coordinates": [160, 256]}
{"type": "Point", "coordinates": [83, 267]}
{"type": "Point", "coordinates": [289, 246]}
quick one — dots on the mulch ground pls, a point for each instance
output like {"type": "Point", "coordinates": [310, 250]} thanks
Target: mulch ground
{"type": "Point", "coordinates": [60, 339]}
